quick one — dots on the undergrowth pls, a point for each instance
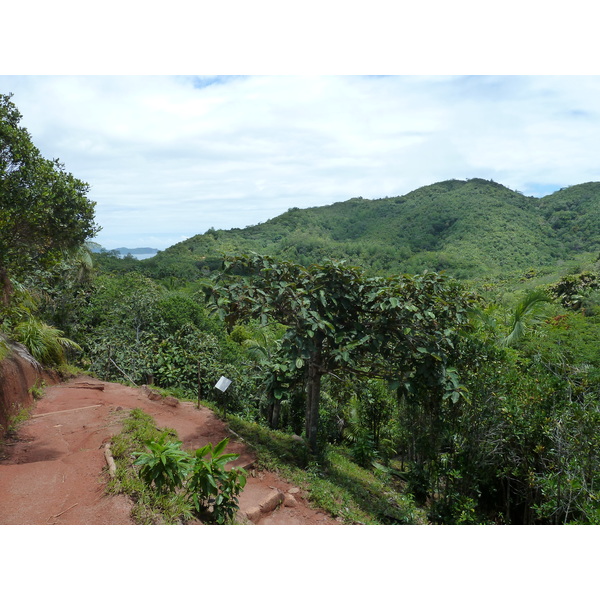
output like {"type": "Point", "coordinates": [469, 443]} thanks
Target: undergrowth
{"type": "Point", "coordinates": [150, 506]}
{"type": "Point", "coordinates": [169, 484]}
{"type": "Point", "coordinates": [16, 420]}
{"type": "Point", "coordinates": [335, 483]}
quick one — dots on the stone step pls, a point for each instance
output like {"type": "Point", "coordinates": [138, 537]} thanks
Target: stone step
{"type": "Point", "coordinates": [257, 501]}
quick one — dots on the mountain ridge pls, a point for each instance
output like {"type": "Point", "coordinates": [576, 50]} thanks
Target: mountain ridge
{"type": "Point", "coordinates": [468, 228]}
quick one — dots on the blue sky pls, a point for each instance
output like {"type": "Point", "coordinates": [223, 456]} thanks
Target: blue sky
{"type": "Point", "coordinates": [168, 157]}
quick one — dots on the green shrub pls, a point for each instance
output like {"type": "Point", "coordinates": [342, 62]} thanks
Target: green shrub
{"type": "Point", "coordinates": [200, 479]}
{"type": "Point", "coordinates": [166, 466]}
{"type": "Point", "coordinates": [45, 343]}
{"type": "Point", "coordinates": [210, 486]}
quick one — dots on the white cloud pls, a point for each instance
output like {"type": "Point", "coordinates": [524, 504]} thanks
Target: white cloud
{"type": "Point", "coordinates": [168, 157]}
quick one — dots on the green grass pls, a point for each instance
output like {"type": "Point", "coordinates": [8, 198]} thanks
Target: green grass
{"type": "Point", "coordinates": [4, 348]}
{"type": "Point", "coordinates": [17, 420]}
{"type": "Point", "coordinates": [37, 390]}
{"type": "Point", "coordinates": [12, 427]}
{"type": "Point", "coordinates": [151, 508]}
{"type": "Point", "coordinates": [335, 484]}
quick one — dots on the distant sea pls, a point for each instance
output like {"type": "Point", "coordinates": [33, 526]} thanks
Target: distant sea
{"type": "Point", "coordinates": [139, 253]}
{"type": "Point", "coordinates": [143, 256]}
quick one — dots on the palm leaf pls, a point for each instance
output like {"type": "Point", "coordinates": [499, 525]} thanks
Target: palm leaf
{"type": "Point", "coordinates": [529, 307]}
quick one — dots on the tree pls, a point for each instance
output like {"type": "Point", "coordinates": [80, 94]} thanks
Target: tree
{"type": "Point", "coordinates": [43, 209]}
{"type": "Point", "coordinates": [399, 329]}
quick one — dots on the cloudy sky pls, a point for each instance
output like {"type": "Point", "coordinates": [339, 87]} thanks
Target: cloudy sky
{"type": "Point", "coordinates": [168, 157]}
{"type": "Point", "coordinates": [281, 113]}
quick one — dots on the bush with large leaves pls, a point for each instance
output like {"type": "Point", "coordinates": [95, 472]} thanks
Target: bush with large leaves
{"type": "Point", "coordinates": [339, 320]}
{"type": "Point", "coordinates": [135, 328]}
{"type": "Point", "coordinates": [212, 490]}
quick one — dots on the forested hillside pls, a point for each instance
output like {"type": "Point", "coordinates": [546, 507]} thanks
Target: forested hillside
{"type": "Point", "coordinates": [469, 229]}
{"type": "Point", "coordinates": [574, 215]}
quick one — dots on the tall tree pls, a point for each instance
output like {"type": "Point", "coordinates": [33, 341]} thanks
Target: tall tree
{"type": "Point", "coordinates": [43, 209]}
{"type": "Point", "coordinates": [400, 329]}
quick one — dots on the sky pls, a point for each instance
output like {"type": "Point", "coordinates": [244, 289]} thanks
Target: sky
{"type": "Point", "coordinates": [168, 157]}
{"type": "Point", "coordinates": [198, 115]}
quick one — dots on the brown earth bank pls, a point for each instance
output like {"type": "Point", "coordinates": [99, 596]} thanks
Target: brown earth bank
{"type": "Point", "coordinates": [19, 374]}
{"type": "Point", "coordinates": [54, 471]}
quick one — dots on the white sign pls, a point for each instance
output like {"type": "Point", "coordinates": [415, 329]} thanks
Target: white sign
{"type": "Point", "coordinates": [223, 384]}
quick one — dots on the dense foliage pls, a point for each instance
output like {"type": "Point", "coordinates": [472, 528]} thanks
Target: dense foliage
{"type": "Point", "coordinates": [470, 229]}
{"type": "Point", "coordinates": [338, 320]}
{"type": "Point", "coordinates": [485, 419]}
{"type": "Point", "coordinates": [43, 209]}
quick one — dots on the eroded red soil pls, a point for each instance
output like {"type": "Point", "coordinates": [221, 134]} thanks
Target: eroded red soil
{"type": "Point", "coordinates": [55, 471]}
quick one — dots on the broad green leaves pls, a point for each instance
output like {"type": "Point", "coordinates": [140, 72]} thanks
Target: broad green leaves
{"type": "Point", "coordinates": [398, 329]}
{"type": "Point", "coordinates": [202, 476]}
{"type": "Point", "coordinates": [211, 485]}
{"type": "Point", "coordinates": [166, 465]}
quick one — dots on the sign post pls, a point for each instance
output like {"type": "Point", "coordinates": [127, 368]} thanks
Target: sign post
{"type": "Point", "coordinates": [222, 386]}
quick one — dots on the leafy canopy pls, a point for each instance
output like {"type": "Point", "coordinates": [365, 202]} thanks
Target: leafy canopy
{"type": "Point", "coordinates": [43, 209]}
{"type": "Point", "coordinates": [401, 329]}
{"type": "Point", "coordinates": [345, 317]}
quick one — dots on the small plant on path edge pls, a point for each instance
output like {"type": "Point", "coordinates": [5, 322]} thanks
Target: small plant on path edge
{"type": "Point", "coordinates": [210, 486]}
{"type": "Point", "coordinates": [207, 485]}
{"type": "Point", "coordinates": [166, 465]}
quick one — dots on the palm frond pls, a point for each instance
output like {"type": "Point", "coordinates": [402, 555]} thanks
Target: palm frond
{"type": "Point", "coordinates": [529, 307]}
{"type": "Point", "coordinates": [484, 319]}
{"type": "Point", "coordinates": [256, 349]}
{"type": "Point", "coordinates": [82, 262]}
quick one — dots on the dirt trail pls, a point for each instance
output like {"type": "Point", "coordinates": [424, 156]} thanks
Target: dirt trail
{"type": "Point", "coordinates": [55, 471]}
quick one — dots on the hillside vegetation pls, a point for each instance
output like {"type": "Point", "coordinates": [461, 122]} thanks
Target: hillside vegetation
{"type": "Point", "coordinates": [475, 393]}
{"type": "Point", "coordinates": [469, 229]}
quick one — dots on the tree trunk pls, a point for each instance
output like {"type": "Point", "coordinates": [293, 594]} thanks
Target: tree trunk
{"type": "Point", "coordinates": [273, 413]}
{"type": "Point", "coordinates": [313, 395]}
{"type": "Point", "coordinates": [6, 287]}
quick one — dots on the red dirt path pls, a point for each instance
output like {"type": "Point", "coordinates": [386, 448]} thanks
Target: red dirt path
{"type": "Point", "coordinates": [55, 471]}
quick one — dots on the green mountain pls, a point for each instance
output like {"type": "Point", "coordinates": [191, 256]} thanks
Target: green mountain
{"type": "Point", "coordinates": [574, 214]}
{"type": "Point", "coordinates": [472, 228]}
